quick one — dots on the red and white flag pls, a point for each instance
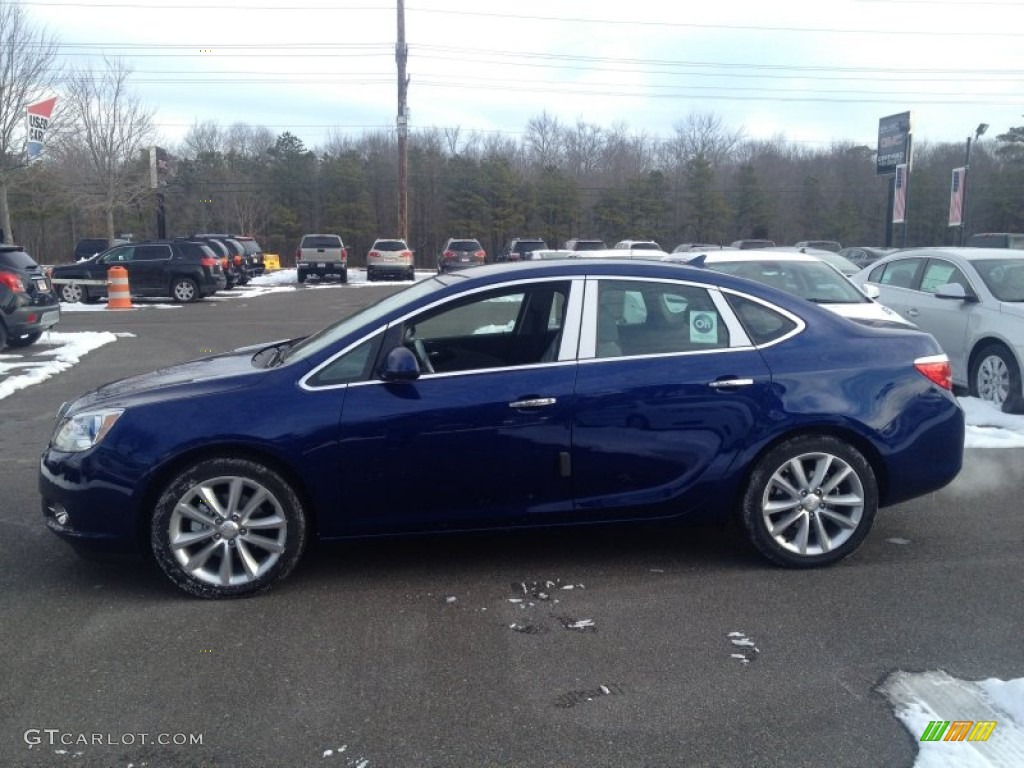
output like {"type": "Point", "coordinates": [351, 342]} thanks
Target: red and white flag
{"type": "Point", "coordinates": [899, 203]}
{"type": "Point", "coordinates": [956, 197]}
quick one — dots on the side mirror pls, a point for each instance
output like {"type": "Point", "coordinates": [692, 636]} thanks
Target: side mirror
{"type": "Point", "coordinates": [953, 291]}
{"type": "Point", "coordinates": [400, 365]}
{"type": "Point", "coordinates": [870, 290]}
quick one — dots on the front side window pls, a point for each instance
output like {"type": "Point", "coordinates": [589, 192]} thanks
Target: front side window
{"type": "Point", "coordinates": [506, 327]}
{"type": "Point", "coordinates": [643, 318]}
{"type": "Point", "coordinates": [942, 273]}
{"type": "Point", "coordinates": [119, 255]}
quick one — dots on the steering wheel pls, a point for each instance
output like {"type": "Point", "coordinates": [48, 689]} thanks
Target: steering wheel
{"type": "Point", "coordinates": [421, 353]}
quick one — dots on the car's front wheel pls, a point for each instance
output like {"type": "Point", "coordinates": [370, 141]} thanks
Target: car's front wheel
{"type": "Point", "coordinates": [228, 527]}
{"type": "Point", "coordinates": [995, 375]}
{"type": "Point", "coordinates": [184, 290]}
{"type": "Point", "coordinates": [809, 501]}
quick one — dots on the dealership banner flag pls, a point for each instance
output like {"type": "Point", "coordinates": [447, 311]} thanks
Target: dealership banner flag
{"type": "Point", "coordinates": [899, 203]}
{"type": "Point", "coordinates": [956, 197]}
{"type": "Point", "coordinates": [38, 119]}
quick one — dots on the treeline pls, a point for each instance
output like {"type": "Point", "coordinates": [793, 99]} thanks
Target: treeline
{"type": "Point", "coordinates": [705, 183]}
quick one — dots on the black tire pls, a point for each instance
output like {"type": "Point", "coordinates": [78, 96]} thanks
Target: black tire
{"type": "Point", "coordinates": [301, 276]}
{"type": "Point", "coordinates": [184, 290]}
{"type": "Point", "coordinates": [412, 275]}
{"type": "Point", "coordinates": [798, 519]}
{"type": "Point", "coordinates": [24, 341]}
{"type": "Point", "coordinates": [229, 551]}
{"type": "Point", "coordinates": [3, 336]}
{"type": "Point", "coordinates": [73, 294]}
{"type": "Point", "coordinates": [344, 275]}
{"type": "Point", "coordinates": [995, 375]}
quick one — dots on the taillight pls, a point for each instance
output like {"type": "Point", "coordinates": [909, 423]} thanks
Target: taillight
{"type": "Point", "coordinates": [449, 254]}
{"type": "Point", "coordinates": [238, 260]}
{"type": "Point", "coordinates": [224, 262]}
{"type": "Point", "coordinates": [208, 261]}
{"type": "Point", "coordinates": [480, 255]}
{"type": "Point", "coordinates": [298, 254]}
{"type": "Point", "coordinates": [372, 254]}
{"type": "Point", "coordinates": [12, 281]}
{"type": "Point", "coordinates": [344, 254]}
{"type": "Point", "coordinates": [937, 369]}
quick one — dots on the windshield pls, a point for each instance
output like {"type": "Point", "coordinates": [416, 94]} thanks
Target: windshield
{"type": "Point", "coordinates": [811, 280]}
{"type": "Point", "coordinates": [1004, 277]}
{"type": "Point", "coordinates": [373, 313]}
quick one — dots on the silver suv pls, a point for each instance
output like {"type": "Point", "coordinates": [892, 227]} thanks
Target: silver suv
{"type": "Point", "coordinates": [323, 256]}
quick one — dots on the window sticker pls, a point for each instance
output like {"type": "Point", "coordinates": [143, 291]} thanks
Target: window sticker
{"type": "Point", "coordinates": [704, 327]}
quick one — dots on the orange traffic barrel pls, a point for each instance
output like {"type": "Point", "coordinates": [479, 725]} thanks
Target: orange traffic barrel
{"type": "Point", "coordinates": [118, 295]}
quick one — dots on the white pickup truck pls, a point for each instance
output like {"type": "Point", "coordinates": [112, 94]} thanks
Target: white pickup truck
{"type": "Point", "coordinates": [323, 256]}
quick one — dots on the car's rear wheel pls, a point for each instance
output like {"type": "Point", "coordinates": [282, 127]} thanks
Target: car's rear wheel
{"type": "Point", "coordinates": [809, 501]}
{"type": "Point", "coordinates": [301, 276]}
{"type": "Point", "coordinates": [228, 527]}
{"type": "Point", "coordinates": [24, 341]}
{"type": "Point", "coordinates": [72, 294]}
{"type": "Point", "coordinates": [995, 375]}
{"type": "Point", "coordinates": [184, 290]}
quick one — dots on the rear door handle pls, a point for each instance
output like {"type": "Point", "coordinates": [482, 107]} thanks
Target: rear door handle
{"type": "Point", "coordinates": [535, 402]}
{"type": "Point", "coordinates": [730, 383]}
{"type": "Point", "coordinates": [912, 313]}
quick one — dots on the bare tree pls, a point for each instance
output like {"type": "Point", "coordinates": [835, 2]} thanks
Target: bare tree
{"type": "Point", "coordinates": [28, 72]}
{"type": "Point", "coordinates": [105, 143]}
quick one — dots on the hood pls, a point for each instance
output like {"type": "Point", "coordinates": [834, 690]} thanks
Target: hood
{"type": "Point", "coordinates": [219, 373]}
{"type": "Point", "coordinates": [870, 313]}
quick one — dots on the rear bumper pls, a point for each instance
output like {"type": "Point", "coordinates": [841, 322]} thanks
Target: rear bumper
{"type": "Point", "coordinates": [32, 316]}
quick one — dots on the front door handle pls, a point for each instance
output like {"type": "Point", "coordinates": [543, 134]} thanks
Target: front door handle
{"type": "Point", "coordinates": [730, 383]}
{"type": "Point", "coordinates": [535, 402]}
{"type": "Point", "coordinates": [912, 313]}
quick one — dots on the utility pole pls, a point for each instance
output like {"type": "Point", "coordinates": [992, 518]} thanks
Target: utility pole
{"type": "Point", "coordinates": [402, 123]}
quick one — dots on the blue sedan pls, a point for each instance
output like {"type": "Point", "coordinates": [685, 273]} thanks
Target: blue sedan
{"type": "Point", "coordinates": [567, 392]}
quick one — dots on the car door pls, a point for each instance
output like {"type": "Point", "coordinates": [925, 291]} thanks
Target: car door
{"type": "Point", "coordinates": [668, 390]}
{"type": "Point", "coordinates": [897, 282]}
{"type": "Point", "coordinates": [99, 269]}
{"type": "Point", "coordinates": [948, 320]}
{"type": "Point", "coordinates": [148, 269]}
{"type": "Point", "coordinates": [483, 439]}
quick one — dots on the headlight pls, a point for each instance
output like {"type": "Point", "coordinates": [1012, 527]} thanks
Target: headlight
{"type": "Point", "coordinates": [84, 430]}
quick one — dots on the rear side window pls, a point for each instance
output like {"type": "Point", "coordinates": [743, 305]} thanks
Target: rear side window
{"type": "Point", "coordinates": [762, 324]}
{"type": "Point", "coordinates": [321, 241]}
{"type": "Point", "coordinates": [16, 260]}
{"type": "Point", "coordinates": [152, 253]}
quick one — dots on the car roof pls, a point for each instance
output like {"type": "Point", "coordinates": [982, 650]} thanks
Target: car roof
{"type": "Point", "coordinates": [967, 254]}
{"type": "Point", "coordinates": [753, 254]}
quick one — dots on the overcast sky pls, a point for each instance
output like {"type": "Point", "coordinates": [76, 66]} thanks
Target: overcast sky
{"type": "Point", "coordinates": [814, 71]}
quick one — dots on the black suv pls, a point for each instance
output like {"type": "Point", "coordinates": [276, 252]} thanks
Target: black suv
{"type": "Point", "coordinates": [28, 304]}
{"type": "Point", "coordinates": [244, 264]}
{"type": "Point", "coordinates": [520, 248]}
{"type": "Point", "coordinates": [185, 270]}
{"type": "Point", "coordinates": [253, 254]}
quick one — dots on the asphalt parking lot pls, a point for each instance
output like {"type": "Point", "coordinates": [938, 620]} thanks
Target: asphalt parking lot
{"type": "Point", "coordinates": [579, 648]}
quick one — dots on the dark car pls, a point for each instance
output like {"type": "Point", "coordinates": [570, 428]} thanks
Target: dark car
{"type": "Point", "coordinates": [253, 255]}
{"type": "Point", "coordinates": [241, 267]}
{"type": "Point", "coordinates": [520, 248]}
{"type": "Point", "coordinates": [185, 270]}
{"type": "Point", "coordinates": [566, 392]}
{"type": "Point", "coordinates": [224, 254]}
{"type": "Point", "coordinates": [459, 253]}
{"type": "Point", "coordinates": [28, 304]}
{"type": "Point", "coordinates": [996, 240]}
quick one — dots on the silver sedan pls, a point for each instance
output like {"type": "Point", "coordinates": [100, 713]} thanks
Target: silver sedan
{"type": "Point", "coordinates": [972, 301]}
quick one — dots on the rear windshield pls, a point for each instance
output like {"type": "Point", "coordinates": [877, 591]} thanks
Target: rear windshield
{"type": "Point", "coordinates": [530, 245]}
{"type": "Point", "coordinates": [465, 245]}
{"type": "Point", "coordinates": [390, 245]}
{"type": "Point", "coordinates": [590, 245]}
{"type": "Point", "coordinates": [321, 241]}
{"type": "Point", "coordinates": [645, 247]}
{"type": "Point", "coordinates": [250, 246]}
{"type": "Point", "coordinates": [17, 260]}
